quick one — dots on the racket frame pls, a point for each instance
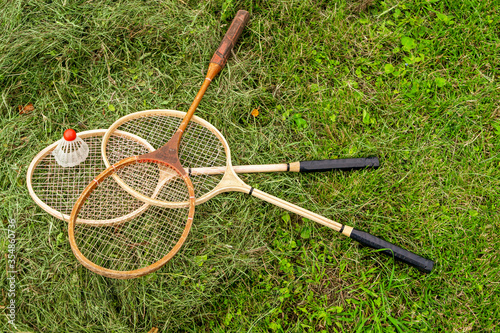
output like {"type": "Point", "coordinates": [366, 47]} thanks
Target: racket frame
{"type": "Point", "coordinates": [57, 214]}
{"type": "Point", "coordinates": [167, 156]}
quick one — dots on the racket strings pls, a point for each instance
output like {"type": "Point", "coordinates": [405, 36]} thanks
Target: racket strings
{"type": "Point", "coordinates": [150, 179]}
{"type": "Point", "coordinates": [201, 148]}
{"type": "Point", "coordinates": [129, 147]}
{"type": "Point", "coordinates": [155, 130]}
{"type": "Point", "coordinates": [136, 241]}
{"type": "Point", "coordinates": [59, 187]}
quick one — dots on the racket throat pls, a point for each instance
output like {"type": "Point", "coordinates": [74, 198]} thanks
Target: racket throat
{"type": "Point", "coordinates": [168, 153]}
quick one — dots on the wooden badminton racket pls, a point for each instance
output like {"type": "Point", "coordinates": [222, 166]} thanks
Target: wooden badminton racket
{"type": "Point", "coordinates": [145, 242]}
{"type": "Point", "coordinates": [203, 144]}
{"type": "Point", "coordinates": [55, 188]}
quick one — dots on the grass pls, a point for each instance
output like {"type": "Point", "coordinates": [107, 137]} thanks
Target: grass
{"type": "Point", "coordinates": [415, 83]}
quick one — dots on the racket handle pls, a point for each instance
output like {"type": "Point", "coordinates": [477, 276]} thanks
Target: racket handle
{"type": "Point", "coordinates": [425, 265]}
{"type": "Point", "coordinates": [233, 33]}
{"type": "Point", "coordinates": [421, 263]}
{"type": "Point", "coordinates": [345, 164]}
{"type": "Point", "coordinates": [216, 64]}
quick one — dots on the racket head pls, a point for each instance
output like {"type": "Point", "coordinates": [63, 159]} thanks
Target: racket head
{"type": "Point", "coordinates": [55, 188]}
{"type": "Point", "coordinates": [137, 245]}
{"type": "Point", "coordinates": [202, 146]}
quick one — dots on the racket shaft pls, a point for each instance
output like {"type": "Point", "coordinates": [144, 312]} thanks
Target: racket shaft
{"type": "Point", "coordinates": [423, 264]}
{"type": "Point", "coordinates": [346, 164]}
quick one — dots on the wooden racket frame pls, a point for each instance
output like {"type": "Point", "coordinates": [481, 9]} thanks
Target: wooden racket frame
{"type": "Point", "coordinates": [167, 155]}
{"type": "Point", "coordinates": [144, 270]}
{"type": "Point", "coordinates": [281, 167]}
{"type": "Point", "coordinates": [48, 150]}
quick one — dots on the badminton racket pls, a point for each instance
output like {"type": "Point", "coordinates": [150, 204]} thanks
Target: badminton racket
{"type": "Point", "coordinates": [202, 144]}
{"type": "Point", "coordinates": [120, 250]}
{"type": "Point", "coordinates": [55, 188]}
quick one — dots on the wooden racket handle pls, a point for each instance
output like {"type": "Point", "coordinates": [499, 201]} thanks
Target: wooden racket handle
{"type": "Point", "coordinates": [233, 33]}
{"type": "Point", "coordinates": [217, 62]}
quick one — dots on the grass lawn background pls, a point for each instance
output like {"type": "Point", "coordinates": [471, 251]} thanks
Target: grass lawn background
{"type": "Point", "coordinates": [415, 83]}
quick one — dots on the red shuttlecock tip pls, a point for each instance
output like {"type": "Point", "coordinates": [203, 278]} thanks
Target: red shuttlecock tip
{"type": "Point", "coordinates": [69, 134]}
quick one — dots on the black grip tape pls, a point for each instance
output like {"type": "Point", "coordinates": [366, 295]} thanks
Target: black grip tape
{"type": "Point", "coordinates": [345, 164]}
{"type": "Point", "coordinates": [423, 264]}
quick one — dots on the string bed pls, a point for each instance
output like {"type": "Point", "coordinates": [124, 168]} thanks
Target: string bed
{"type": "Point", "coordinates": [56, 188]}
{"type": "Point", "coordinates": [138, 240]}
{"type": "Point", "coordinates": [59, 187]}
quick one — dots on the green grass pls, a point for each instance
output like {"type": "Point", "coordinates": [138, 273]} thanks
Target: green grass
{"type": "Point", "coordinates": [415, 83]}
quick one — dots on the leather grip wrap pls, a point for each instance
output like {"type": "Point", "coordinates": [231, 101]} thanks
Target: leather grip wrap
{"type": "Point", "coordinates": [423, 264]}
{"type": "Point", "coordinates": [222, 54]}
{"type": "Point", "coordinates": [345, 164]}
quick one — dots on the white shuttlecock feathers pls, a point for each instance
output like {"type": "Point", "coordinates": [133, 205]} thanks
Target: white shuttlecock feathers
{"type": "Point", "coordinates": [71, 150]}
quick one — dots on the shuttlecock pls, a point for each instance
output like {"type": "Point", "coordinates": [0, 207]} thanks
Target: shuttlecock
{"type": "Point", "coordinates": [71, 150]}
